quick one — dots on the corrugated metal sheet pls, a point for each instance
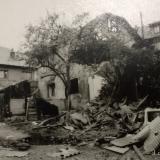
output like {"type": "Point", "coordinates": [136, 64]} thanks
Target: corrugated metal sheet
{"type": "Point", "coordinates": [153, 140]}
{"type": "Point", "coordinates": [143, 134]}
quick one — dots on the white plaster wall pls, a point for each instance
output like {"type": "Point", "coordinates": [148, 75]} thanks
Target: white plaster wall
{"type": "Point", "coordinates": [42, 84]}
{"type": "Point", "coordinates": [59, 89]}
{"type": "Point", "coordinates": [95, 83]}
{"type": "Point", "coordinates": [86, 86]}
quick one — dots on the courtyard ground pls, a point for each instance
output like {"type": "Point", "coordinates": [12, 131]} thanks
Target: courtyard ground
{"type": "Point", "coordinates": [40, 152]}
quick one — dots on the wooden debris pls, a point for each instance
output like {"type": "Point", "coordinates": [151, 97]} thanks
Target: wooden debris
{"type": "Point", "coordinates": [78, 117]}
{"type": "Point", "coordinates": [117, 149]}
{"type": "Point", "coordinates": [64, 153]}
{"type": "Point", "coordinates": [141, 102]}
{"type": "Point", "coordinates": [140, 155]}
{"type": "Point", "coordinates": [89, 128]}
{"type": "Point", "coordinates": [69, 128]}
{"type": "Point", "coordinates": [48, 126]}
{"type": "Point", "coordinates": [51, 120]}
{"type": "Point", "coordinates": [125, 141]}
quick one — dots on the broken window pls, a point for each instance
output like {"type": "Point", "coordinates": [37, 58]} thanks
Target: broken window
{"type": "Point", "coordinates": [51, 89]}
{"type": "Point", "coordinates": [3, 73]}
{"type": "Point", "coordinates": [153, 115]}
{"type": "Point", "coordinates": [74, 86]}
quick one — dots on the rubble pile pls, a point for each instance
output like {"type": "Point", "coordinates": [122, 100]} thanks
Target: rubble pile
{"type": "Point", "coordinates": [118, 128]}
{"type": "Point", "coordinates": [95, 122]}
{"type": "Point", "coordinates": [118, 120]}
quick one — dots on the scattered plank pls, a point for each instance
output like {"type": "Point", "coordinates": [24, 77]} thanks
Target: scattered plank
{"type": "Point", "coordinates": [124, 141]}
{"type": "Point", "coordinates": [141, 102]}
{"type": "Point", "coordinates": [64, 153]}
{"type": "Point", "coordinates": [52, 119]}
{"type": "Point", "coordinates": [47, 126]}
{"type": "Point", "coordinates": [89, 128]}
{"type": "Point", "coordinates": [117, 149]}
{"type": "Point", "coordinates": [138, 152]}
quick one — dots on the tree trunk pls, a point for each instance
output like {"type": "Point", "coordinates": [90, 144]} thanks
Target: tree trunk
{"type": "Point", "coordinates": [67, 92]}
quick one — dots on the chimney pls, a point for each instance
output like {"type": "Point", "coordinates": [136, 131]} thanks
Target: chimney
{"type": "Point", "coordinates": [12, 54]}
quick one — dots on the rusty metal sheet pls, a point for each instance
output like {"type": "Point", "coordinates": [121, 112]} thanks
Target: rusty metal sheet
{"type": "Point", "coordinates": [153, 140]}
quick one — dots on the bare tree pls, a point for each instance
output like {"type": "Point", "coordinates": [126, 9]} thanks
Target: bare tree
{"type": "Point", "coordinates": [50, 43]}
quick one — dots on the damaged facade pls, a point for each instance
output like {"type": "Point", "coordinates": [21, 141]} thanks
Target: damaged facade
{"type": "Point", "coordinates": [122, 126]}
{"type": "Point", "coordinates": [15, 80]}
{"type": "Point", "coordinates": [85, 84]}
{"type": "Point", "coordinates": [151, 34]}
{"type": "Point", "coordinates": [12, 70]}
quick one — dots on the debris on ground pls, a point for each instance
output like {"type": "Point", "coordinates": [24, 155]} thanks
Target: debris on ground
{"type": "Point", "coordinates": [153, 140]}
{"type": "Point", "coordinates": [140, 155]}
{"type": "Point", "coordinates": [11, 137]}
{"type": "Point", "coordinates": [117, 149]}
{"type": "Point", "coordinates": [125, 141]}
{"type": "Point", "coordinates": [7, 152]}
{"type": "Point", "coordinates": [117, 128]}
{"type": "Point", "coordinates": [64, 153]}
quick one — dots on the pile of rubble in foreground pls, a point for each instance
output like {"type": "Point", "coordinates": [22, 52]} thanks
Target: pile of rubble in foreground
{"type": "Point", "coordinates": [118, 128]}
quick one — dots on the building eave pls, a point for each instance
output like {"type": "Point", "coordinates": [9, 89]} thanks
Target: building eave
{"type": "Point", "coordinates": [16, 66]}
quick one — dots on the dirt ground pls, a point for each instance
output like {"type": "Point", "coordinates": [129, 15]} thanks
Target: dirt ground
{"type": "Point", "coordinates": [41, 152]}
{"type": "Point", "coordinates": [37, 152]}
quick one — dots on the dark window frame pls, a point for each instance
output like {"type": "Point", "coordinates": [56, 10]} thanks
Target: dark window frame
{"type": "Point", "coordinates": [52, 87]}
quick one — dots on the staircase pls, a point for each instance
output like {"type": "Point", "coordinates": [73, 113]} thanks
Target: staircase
{"type": "Point", "coordinates": [31, 111]}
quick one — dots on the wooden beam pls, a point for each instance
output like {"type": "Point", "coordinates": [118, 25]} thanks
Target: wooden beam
{"type": "Point", "coordinates": [140, 155]}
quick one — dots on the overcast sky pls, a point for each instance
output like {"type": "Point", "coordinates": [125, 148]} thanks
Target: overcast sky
{"type": "Point", "coordinates": [16, 14]}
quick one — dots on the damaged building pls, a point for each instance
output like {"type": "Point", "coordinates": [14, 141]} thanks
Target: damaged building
{"type": "Point", "coordinates": [151, 34]}
{"type": "Point", "coordinates": [13, 70]}
{"type": "Point", "coordinates": [15, 80]}
{"type": "Point", "coordinates": [85, 83]}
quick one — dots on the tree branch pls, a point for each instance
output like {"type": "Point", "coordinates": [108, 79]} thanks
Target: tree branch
{"type": "Point", "coordinates": [60, 75]}
{"type": "Point", "coordinates": [58, 55]}
{"type": "Point", "coordinates": [48, 75]}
